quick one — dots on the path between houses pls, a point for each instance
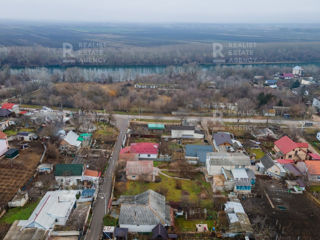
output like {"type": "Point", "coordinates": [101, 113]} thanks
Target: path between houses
{"type": "Point", "coordinates": [172, 177]}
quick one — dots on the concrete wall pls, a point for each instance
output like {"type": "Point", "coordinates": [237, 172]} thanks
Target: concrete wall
{"type": "Point", "coordinates": [138, 228]}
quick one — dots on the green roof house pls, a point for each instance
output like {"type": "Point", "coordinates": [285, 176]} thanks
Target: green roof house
{"type": "Point", "coordinates": [68, 174]}
{"type": "Point", "coordinates": [155, 126]}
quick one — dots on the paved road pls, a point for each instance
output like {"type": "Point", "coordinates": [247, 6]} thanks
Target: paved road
{"type": "Point", "coordinates": [99, 208]}
{"type": "Point", "coordinates": [295, 123]}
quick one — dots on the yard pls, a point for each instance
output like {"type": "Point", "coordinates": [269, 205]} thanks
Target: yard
{"type": "Point", "coordinates": [257, 152]}
{"type": "Point", "coordinates": [22, 213]}
{"type": "Point", "coordinates": [190, 225]}
{"type": "Point", "coordinates": [310, 136]}
{"type": "Point", "coordinates": [196, 191]}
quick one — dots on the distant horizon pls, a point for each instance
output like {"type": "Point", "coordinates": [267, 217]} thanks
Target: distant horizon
{"type": "Point", "coordinates": [173, 11]}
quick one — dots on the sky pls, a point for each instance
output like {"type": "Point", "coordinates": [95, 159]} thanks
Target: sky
{"type": "Point", "coordinates": [154, 11]}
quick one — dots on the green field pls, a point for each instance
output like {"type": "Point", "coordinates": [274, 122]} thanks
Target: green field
{"type": "Point", "coordinates": [22, 213]}
{"type": "Point", "coordinates": [258, 153]}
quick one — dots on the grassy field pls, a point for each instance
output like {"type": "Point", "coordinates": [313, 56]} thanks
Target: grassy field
{"type": "Point", "coordinates": [190, 225]}
{"type": "Point", "coordinates": [109, 221]}
{"type": "Point", "coordinates": [258, 152]}
{"type": "Point", "coordinates": [193, 191]}
{"type": "Point", "coordinates": [22, 213]}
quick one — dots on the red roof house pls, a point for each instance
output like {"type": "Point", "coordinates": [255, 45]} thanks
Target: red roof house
{"type": "Point", "coordinates": [313, 170]}
{"type": "Point", "coordinates": [286, 148]}
{"type": "Point", "coordinates": [314, 156]}
{"type": "Point", "coordinates": [13, 107]}
{"type": "Point", "coordinates": [91, 175]}
{"type": "Point", "coordinates": [145, 150]}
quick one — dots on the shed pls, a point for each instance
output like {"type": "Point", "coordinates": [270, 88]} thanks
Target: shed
{"type": "Point", "coordinates": [12, 153]}
{"type": "Point", "coordinates": [156, 126]}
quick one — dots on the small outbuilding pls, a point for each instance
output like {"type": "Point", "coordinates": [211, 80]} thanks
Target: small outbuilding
{"type": "Point", "coordinates": [12, 153]}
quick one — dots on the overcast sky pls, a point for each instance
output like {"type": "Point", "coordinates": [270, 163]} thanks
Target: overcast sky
{"type": "Point", "coordinates": [213, 11]}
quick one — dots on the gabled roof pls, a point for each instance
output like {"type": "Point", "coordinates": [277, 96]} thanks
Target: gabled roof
{"type": "Point", "coordinates": [139, 167]}
{"type": "Point", "coordinates": [68, 170]}
{"type": "Point", "coordinates": [222, 138]}
{"type": "Point", "coordinates": [141, 148]}
{"type": "Point", "coordinates": [72, 139]}
{"type": "Point", "coordinates": [313, 167]}
{"type": "Point", "coordinates": [314, 156]}
{"type": "Point", "coordinates": [159, 232]}
{"type": "Point", "coordinates": [91, 173]}
{"type": "Point", "coordinates": [267, 161]}
{"type": "Point", "coordinates": [199, 151]}
{"type": "Point", "coordinates": [285, 144]}
{"type": "Point", "coordinates": [8, 105]}
{"type": "Point", "coordinates": [147, 208]}
{"type": "Point", "coordinates": [285, 161]}
{"type": "Point", "coordinates": [3, 135]}
{"type": "Point", "coordinates": [4, 112]}
{"type": "Point", "coordinates": [291, 168]}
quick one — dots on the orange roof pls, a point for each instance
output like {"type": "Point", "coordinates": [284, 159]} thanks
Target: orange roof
{"type": "Point", "coordinates": [3, 135]}
{"type": "Point", "coordinates": [313, 167]}
{"type": "Point", "coordinates": [92, 173]}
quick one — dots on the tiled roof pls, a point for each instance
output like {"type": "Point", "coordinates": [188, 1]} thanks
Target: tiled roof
{"type": "Point", "coordinates": [8, 105]}
{"type": "Point", "coordinates": [222, 138]}
{"type": "Point", "coordinates": [285, 161]}
{"type": "Point", "coordinates": [139, 167]}
{"type": "Point", "coordinates": [3, 135]}
{"type": "Point", "coordinates": [141, 148]}
{"type": "Point", "coordinates": [313, 167]}
{"type": "Point", "coordinates": [92, 173]}
{"type": "Point", "coordinates": [314, 156]}
{"type": "Point", "coordinates": [285, 144]}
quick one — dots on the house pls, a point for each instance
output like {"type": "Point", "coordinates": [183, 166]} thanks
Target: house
{"type": "Point", "coordinates": [215, 161]}
{"type": "Point", "coordinates": [222, 141]}
{"type": "Point", "coordinates": [143, 212]}
{"type": "Point", "coordinates": [26, 136]}
{"type": "Point", "coordinates": [13, 107]}
{"type": "Point", "coordinates": [71, 141]}
{"type": "Point", "coordinates": [141, 170]}
{"type": "Point", "coordinates": [186, 132]}
{"type": "Point", "coordinates": [19, 200]}
{"type": "Point", "coordinates": [316, 104]}
{"type": "Point", "coordinates": [197, 154]}
{"type": "Point", "coordinates": [287, 76]}
{"type": "Point", "coordinates": [91, 176]}
{"type": "Point", "coordinates": [45, 168]}
{"type": "Point", "coordinates": [12, 153]}
{"type": "Point", "coordinates": [292, 170]}
{"type": "Point", "coordinates": [5, 124]}
{"type": "Point", "coordinates": [145, 150]}
{"type": "Point", "coordinates": [159, 233]}
{"type": "Point", "coordinates": [297, 70]}
{"type": "Point", "coordinates": [156, 126]}
{"type": "Point", "coordinates": [239, 223]}
{"type": "Point", "coordinates": [87, 195]}
{"type": "Point", "coordinates": [243, 180]}
{"type": "Point", "coordinates": [4, 113]}
{"type": "Point", "coordinates": [263, 133]}
{"type": "Point", "coordinates": [68, 174]}
{"type": "Point", "coordinates": [285, 148]}
{"type": "Point", "coordinates": [313, 156]}
{"type": "Point", "coordinates": [121, 233]}
{"type": "Point", "coordinates": [4, 145]}
{"type": "Point", "coordinates": [313, 170]}
{"type": "Point", "coordinates": [270, 167]}
{"type": "Point", "coordinates": [271, 83]}
{"type": "Point", "coordinates": [53, 209]}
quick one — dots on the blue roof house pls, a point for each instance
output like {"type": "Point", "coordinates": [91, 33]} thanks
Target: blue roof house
{"type": "Point", "coordinates": [196, 154]}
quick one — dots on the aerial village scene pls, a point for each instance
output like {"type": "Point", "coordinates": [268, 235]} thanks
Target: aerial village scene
{"type": "Point", "coordinates": [152, 177]}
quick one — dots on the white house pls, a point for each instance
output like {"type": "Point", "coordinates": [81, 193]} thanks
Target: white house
{"type": "Point", "coordinates": [53, 209]}
{"type": "Point", "coordinates": [71, 139]}
{"type": "Point", "coordinates": [26, 136]}
{"type": "Point", "coordinates": [297, 70]}
{"type": "Point", "coordinates": [4, 146]}
{"type": "Point", "coordinates": [19, 200]}
{"type": "Point", "coordinates": [215, 161]}
{"type": "Point", "coordinates": [68, 174]}
{"type": "Point", "coordinates": [186, 132]}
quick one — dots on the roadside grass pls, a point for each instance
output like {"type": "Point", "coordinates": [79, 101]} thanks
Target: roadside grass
{"type": "Point", "coordinates": [109, 221]}
{"type": "Point", "coordinates": [315, 188]}
{"type": "Point", "coordinates": [190, 225]}
{"type": "Point", "coordinates": [22, 213]}
{"type": "Point", "coordinates": [10, 132]}
{"type": "Point", "coordinates": [258, 152]}
{"type": "Point", "coordinates": [190, 190]}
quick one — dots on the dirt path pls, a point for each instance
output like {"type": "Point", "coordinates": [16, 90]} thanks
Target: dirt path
{"type": "Point", "coordinates": [160, 172]}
